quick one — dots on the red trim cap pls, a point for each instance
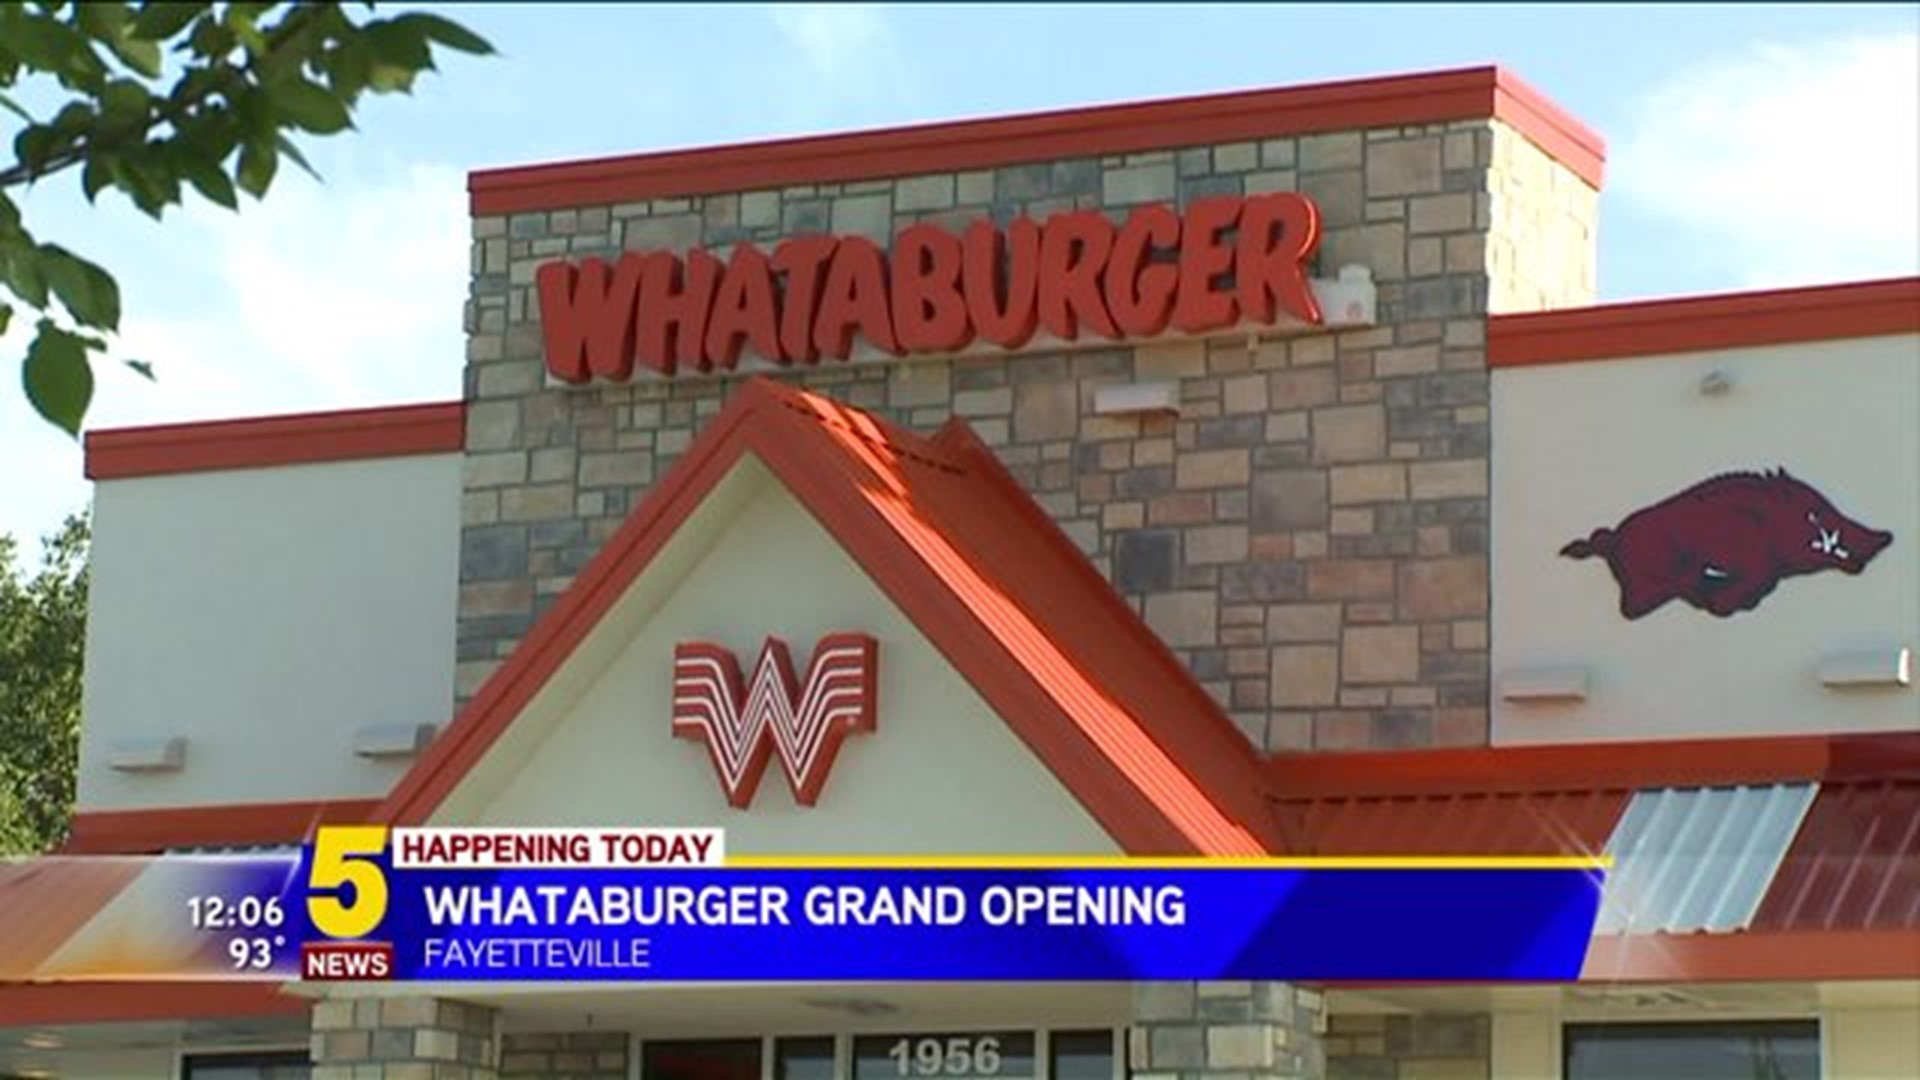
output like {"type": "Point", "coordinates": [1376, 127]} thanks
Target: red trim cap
{"type": "Point", "coordinates": [135, 832]}
{"type": "Point", "coordinates": [1700, 323]}
{"type": "Point", "coordinates": [260, 442]}
{"type": "Point", "coordinates": [1426, 98]}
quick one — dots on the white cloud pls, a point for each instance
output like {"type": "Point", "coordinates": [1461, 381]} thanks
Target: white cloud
{"type": "Point", "coordinates": [321, 297]}
{"type": "Point", "coordinates": [834, 39]}
{"type": "Point", "coordinates": [1788, 164]}
{"type": "Point", "coordinates": [852, 62]}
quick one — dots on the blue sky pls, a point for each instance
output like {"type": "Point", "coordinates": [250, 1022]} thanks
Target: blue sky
{"type": "Point", "coordinates": [1749, 146]}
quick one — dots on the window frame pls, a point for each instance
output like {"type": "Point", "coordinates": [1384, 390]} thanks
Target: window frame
{"type": "Point", "coordinates": [190, 1058]}
{"type": "Point", "coordinates": [1704, 1025]}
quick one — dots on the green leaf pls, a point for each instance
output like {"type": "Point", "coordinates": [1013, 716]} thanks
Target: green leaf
{"type": "Point", "coordinates": [87, 291]}
{"type": "Point", "coordinates": [389, 79]}
{"type": "Point", "coordinates": [103, 21]}
{"type": "Point", "coordinates": [207, 178]}
{"type": "Point", "coordinates": [310, 106]}
{"type": "Point", "coordinates": [125, 102]}
{"type": "Point", "coordinates": [448, 33]}
{"type": "Point", "coordinates": [144, 367]}
{"type": "Point", "coordinates": [258, 163]}
{"type": "Point", "coordinates": [141, 56]}
{"type": "Point", "coordinates": [96, 176]}
{"type": "Point", "coordinates": [58, 378]}
{"type": "Point", "coordinates": [347, 67]}
{"type": "Point", "coordinates": [397, 44]}
{"type": "Point", "coordinates": [20, 269]}
{"type": "Point", "coordinates": [160, 21]}
{"type": "Point", "coordinates": [6, 316]}
{"type": "Point", "coordinates": [34, 145]}
{"type": "Point", "coordinates": [13, 107]}
{"type": "Point", "coordinates": [44, 43]}
{"type": "Point", "coordinates": [293, 154]}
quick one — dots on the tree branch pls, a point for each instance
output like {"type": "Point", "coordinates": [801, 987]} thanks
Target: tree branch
{"type": "Point", "coordinates": [297, 22]}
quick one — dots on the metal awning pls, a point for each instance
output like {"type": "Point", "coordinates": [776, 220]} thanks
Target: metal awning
{"type": "Point", "coordinates": [1698, 859]}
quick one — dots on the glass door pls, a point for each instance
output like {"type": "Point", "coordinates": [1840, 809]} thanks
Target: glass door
{"type": "Point", "coordinates": [701, 1059]}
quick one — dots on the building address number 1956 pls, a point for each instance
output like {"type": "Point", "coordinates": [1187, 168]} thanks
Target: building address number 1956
{"type": "Point", "coordinates": [1001, 1054]}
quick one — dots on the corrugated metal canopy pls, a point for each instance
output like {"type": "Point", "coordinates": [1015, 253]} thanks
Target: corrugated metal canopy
{"type": "Point", "coordinates": [1856, 864]}
{"type": "Point", "coordinates": [1544, 823]}
{"type": "Point", "coordinates": [1700, 859]}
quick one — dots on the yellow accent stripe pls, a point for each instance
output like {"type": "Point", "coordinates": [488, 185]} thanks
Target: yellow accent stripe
{"type": "Point", "coordinates": [1104, 862]}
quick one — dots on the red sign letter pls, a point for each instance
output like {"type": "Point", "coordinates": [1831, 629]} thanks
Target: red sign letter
{"type": "Point", "coordinates": [929, 314]}
{"type": "Point", "coordinates": [1072, 254]}
{"type": "Point", "coordinates": [673, 310]}
{"type": "Point", "coordinates": [587, 317]}
{"type": "Point", "coordinates": [1201, 306]}
{"type": "Point", "coordinates": [1003, 303]}
{"type": "Point", "coordinates": [800, 260]}
{"type": "Point", "coordinates": [1278, 234]}
{"type": "Point", "coordinates": [855, 294]}
{"type": "Point", "coordinates": [1140, 291]}
{"type": "Point", "coordinates": [744, 310]}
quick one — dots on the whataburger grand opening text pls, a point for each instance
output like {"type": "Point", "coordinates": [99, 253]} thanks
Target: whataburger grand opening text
{"type": "Point", "coordinates": [569, 906]}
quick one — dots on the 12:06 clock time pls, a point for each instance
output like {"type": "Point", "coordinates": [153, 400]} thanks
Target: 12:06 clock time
{"type": "Point", "coordinates": [246, 951]}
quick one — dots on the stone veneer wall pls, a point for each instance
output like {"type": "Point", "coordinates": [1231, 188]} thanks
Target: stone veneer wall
{"type": "Point", "coordinates": [581, 1055]}
{"type": "Point", "coordinates": [1428, 1046]}
{"type": "Point", "coordinates": [1310, 533]}
{"type": "Point", "coordinates": [1543, 252]}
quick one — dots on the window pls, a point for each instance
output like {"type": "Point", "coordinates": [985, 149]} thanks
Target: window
{"type": "Point", "coordinates": [1080, 1055]}
{"type": "Point", "coordinates": [803, 1059]}
{"type": "Point", "coordinates": [715, 1059]}
{"type": "Point", "coordinates": [1772, 1050]}
{"type": "Point", "coordinates": [291, 1065]}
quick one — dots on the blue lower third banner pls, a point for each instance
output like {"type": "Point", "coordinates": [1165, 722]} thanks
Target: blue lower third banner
{"type": "Point", "coordinates": [1498, 922]}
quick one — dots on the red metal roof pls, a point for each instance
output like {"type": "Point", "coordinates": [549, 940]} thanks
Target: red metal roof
{"type": "Point", "coordinates": [47, 900]}
{"type": "Point", "coordinates": [1540, 823]}
{"type": "Point", "coordinates": [1855, 864]}
{"type": "Point", "coordinates": [991, 581]}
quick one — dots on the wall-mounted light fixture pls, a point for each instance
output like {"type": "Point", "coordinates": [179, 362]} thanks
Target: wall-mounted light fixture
{"type": "Point", "coordinates": [1545, 684]}
{"type": "Point", "coordinates": [1715, 382]}
{"type": "Point", "coordinates": [148, 755]}
{"type": "Point", "coordinates": [392, 740]}
{"type": "Point", "coordinates": [1867, 667]}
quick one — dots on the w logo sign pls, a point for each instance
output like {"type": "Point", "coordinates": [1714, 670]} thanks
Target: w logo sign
{"type": "Point", "coordinates": [743, 722]}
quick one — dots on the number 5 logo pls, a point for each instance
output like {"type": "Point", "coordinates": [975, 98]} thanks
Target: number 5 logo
{"type": "Point", "coordinates": [342, 855]}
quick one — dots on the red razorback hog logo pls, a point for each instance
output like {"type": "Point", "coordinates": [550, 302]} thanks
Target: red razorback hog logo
{"type": "Point", "coordinates": [1079, 274]}
{"type": "Point", "coordinates": [743, 723]}
{"type": "Point", "coordinates": [1725, 543]}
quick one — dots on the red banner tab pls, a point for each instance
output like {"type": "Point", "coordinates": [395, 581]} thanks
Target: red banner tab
{"type": "Point", "coordinates": [344, 961]}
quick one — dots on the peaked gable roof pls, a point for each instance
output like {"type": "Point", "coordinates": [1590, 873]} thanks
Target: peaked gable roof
{"type": "Point", "coordinates": [951, 538]}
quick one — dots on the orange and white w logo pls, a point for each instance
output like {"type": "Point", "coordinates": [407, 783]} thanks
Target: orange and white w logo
{"type": "Point", "coordinates": [743, 723]}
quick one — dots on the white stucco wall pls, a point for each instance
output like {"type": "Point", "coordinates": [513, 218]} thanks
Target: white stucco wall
{"type": "Point", "coordinates": [1525, 1046]}
{"type": "Point", "coordinates": [1872, 1044]}
{"type": "Point", "coordinates": [1582, 445]}
{"type": "Point", "coordinates": [265, 615]}
{"type": "Point", "coordinates": [941, 774]}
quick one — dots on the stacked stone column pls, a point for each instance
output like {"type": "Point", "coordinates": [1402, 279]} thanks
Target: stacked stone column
{"type": "Point", "coordinates": [1309, 532]}
{"type": "Point", "coordinates": [404, 1038]}
{"type": "Point", "coordinates": [1225, 1031]}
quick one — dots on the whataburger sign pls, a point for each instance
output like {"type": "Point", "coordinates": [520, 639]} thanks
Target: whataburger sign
{"type": "Point", "coordinates": [1225, 262]}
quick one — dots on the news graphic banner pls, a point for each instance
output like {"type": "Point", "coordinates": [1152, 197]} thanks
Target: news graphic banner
{"type": "Point", "coordinates": [601, 905]}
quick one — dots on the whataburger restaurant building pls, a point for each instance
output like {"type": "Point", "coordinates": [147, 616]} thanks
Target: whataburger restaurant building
{"type": "Point", "coordinates": [1250, 474]}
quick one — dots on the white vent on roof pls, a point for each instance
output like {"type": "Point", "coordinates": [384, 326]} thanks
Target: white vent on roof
{"type": "Point", "coordinates": [148, 755]}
